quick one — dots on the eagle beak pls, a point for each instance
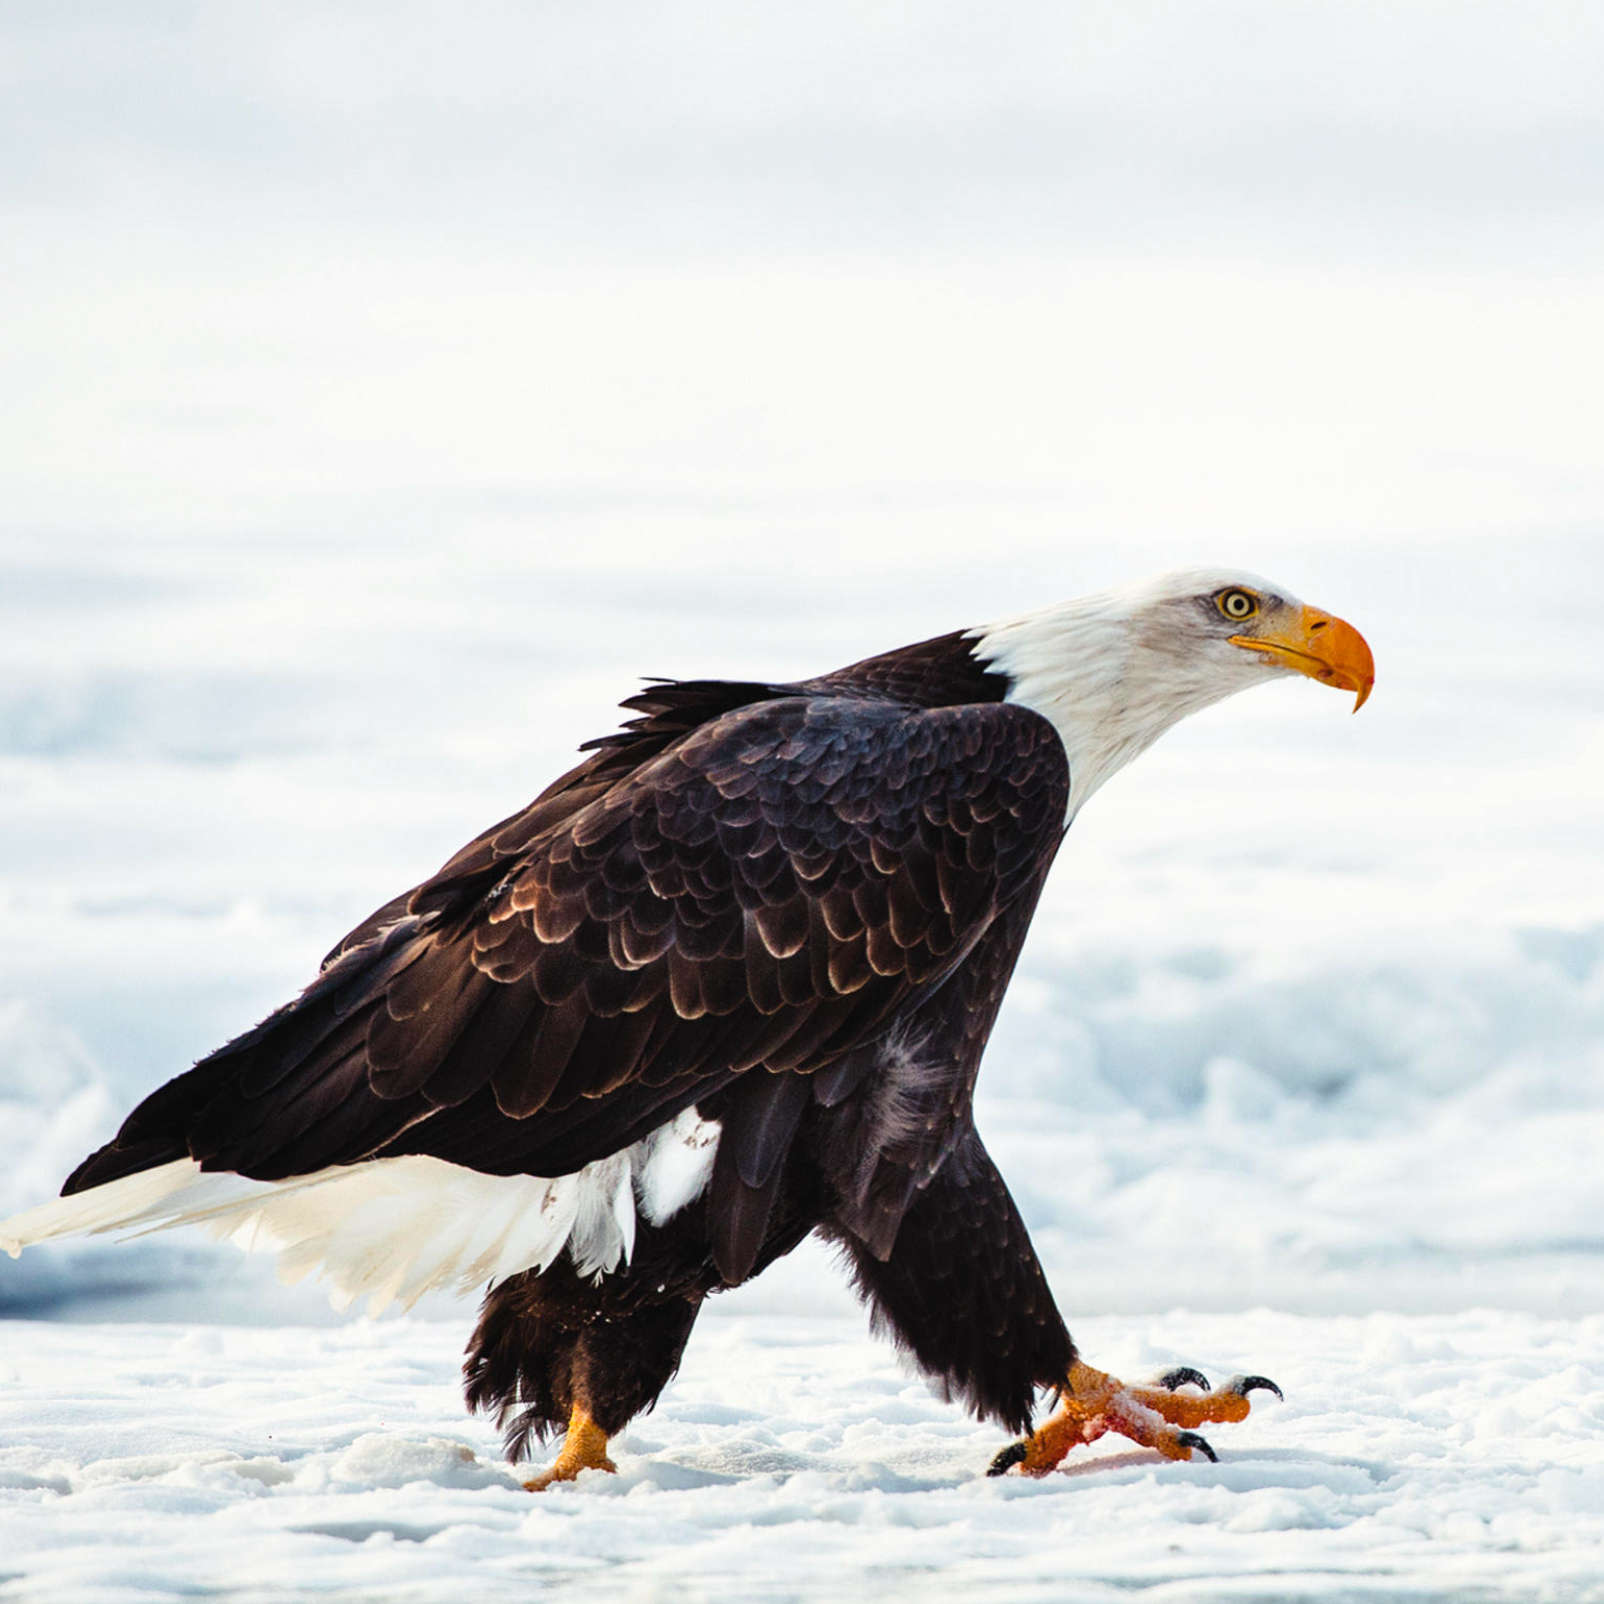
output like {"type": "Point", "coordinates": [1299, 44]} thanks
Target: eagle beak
{"type": "Point", "coordinates": [1322, 646]}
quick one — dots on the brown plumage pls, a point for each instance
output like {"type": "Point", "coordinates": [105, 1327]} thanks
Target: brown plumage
{"type": "Point", "coordinates": [732, 976]}
{"type": "Point", "coordinates": [741, 887]}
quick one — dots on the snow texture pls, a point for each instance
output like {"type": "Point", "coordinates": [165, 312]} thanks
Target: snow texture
{"type": "Point", "coordinates": [1447, 1456]}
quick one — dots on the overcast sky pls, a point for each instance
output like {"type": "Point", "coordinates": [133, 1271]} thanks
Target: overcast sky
{"type": "Point", "coordinates": [1231, 272]}
{"type": "Point", "coordinates": [1354, 126]}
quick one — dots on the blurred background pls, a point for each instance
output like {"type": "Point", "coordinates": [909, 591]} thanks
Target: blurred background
{"type": "Point", "coordinates": [387, 388]}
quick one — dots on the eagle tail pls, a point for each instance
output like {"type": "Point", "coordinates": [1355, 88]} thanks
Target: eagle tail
{"type": "Point", "coordinates": [126, 1203]}
{"type": "Point", "coordinates": [393, 1229]}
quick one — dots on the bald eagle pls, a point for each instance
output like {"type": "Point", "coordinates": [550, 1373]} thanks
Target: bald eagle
{"type": "Point", "coordinates": [724, 984]}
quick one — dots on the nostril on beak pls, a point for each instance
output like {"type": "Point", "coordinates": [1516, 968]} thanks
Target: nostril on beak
{"type": "Point", "coordinates": [1318, 625]}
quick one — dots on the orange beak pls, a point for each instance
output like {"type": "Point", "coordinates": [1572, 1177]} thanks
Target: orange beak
{"type": "Point", "coordinates": [1323, 647]}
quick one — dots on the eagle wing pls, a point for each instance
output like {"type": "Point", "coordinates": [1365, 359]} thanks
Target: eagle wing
{"type": "Point", "coordinates": [758, 892]}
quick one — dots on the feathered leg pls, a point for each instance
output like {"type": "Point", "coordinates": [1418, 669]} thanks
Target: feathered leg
{"type": "Point", "coordinates": [552, 1351]}
{"type": "Point", "coordinates": [963, 1292]}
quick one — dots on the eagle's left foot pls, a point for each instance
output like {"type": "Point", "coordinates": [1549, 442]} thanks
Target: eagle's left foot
{"type": "Point", "coordinates": [584, 1448]}
{"type": "Point", "coordinates": [1091, 1403]}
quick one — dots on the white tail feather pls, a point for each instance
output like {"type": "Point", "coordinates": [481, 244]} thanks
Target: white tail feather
{"type": "Point", "coordinates": [392, 1229]}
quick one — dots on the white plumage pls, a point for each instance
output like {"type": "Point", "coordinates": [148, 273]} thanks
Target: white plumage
{"type": "Point", "coordinates": [392, 1229]}
{"type": "Point", "coordinates": [1112, 672]}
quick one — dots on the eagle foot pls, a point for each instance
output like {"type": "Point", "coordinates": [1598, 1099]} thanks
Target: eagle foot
{"type": "Point", "coordinates": [584, 1448]}
{"type": "Point", "coordinates": [1091, 1403]}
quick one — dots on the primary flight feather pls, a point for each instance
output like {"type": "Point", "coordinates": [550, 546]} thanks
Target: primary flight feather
{"type": "Point", "coordinates": [724, 984]}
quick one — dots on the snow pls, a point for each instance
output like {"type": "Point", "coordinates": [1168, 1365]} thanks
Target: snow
{"type": "Point", "coordinates": [1456, 1455]}
{"type": "Point", "coordinates": [381, 404]}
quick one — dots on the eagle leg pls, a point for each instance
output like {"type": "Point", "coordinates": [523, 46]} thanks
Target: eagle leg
{"type": "Point", "coordinates": [1091, 1403]}
{"type": "Point", "coordinates": [584, 1448]}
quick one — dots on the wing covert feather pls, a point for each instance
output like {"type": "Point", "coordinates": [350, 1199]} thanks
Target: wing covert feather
{"type": "Point", "coordinates": [768, 888]}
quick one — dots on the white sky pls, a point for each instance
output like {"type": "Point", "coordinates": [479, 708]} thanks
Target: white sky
{"type": "Point", "coordinates": [1086, 271]}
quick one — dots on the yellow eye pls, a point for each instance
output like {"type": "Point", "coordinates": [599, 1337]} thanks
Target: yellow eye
{"type": "Point", "coordinates": [1237, 604]}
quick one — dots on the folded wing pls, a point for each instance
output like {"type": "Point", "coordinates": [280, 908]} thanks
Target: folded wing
{"type": "Point", "coordinates": [753, 881]}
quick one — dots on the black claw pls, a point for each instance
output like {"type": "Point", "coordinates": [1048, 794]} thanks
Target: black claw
{"type": "Point", "coordinates": [1180, 1375]}
{"type": "Point", "coordinates": [1190, 1439]}
{"type": "Point", "coordinates": [1243, 1385]}
{"type": "Point", "coordinates": [1013, 1454]}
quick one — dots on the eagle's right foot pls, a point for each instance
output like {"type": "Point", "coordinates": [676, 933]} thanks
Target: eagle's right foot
{"type": "Point", "coordinates": [584, 1448]}
{"type": "Point", "coordinates": [1092, 1403]}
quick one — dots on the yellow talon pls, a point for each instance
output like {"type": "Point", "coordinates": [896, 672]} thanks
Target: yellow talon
{"type": "Point", "coordinates": [1092, 1402]}
{"type": "Point", "coordinates": [584, 1448]}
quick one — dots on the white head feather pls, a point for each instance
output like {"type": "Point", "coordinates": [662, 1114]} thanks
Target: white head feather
{"type": "Point", "coordinates": [1112, 672]}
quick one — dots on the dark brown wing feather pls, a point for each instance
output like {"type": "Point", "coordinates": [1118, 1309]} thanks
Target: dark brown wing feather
{"type": "Point", "coordinates": [749, 879]}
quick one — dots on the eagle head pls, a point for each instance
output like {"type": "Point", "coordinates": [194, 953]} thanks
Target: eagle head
{"type": "Point", "coordinates": [1113, 671]}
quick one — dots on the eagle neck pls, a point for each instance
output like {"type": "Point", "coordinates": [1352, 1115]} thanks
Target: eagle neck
{"type": "Point", "coordinates": [1088, 670]}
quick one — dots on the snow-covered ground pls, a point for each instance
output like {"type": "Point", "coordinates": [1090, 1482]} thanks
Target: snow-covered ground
{"type": "Point", "coordinates": [379, 406]}
{"type": "Point", "coordinates": [1452, 1456]}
